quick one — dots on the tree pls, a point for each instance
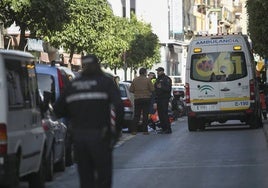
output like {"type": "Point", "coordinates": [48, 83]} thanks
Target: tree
{"type": "Point", "coordinates": [257, 25]}
{"type": "Point", "coordinates": [88, 30]}
{"type": "Point", "coordinates": [38, 16]}
{"type": "Point", "coordinates": [94, 29]}
{"type": "Point", "coordinates": [119, 38]}
{"type": "Point", "coordinates": [144, 47]}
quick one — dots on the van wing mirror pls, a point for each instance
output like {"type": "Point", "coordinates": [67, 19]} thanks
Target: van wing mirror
{"type": "Point", "coordinates": [45, 103]}
{"type": "Point", "coordinates": [47, 96]}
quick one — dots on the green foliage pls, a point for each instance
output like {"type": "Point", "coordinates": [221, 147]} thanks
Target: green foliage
{"type": "Point", "coordinates": [94, 29]}
{"type": "Point", "coordinates": [257, 26]}
{"type": "Point", "coordinates": [85, 26]}
{"type": "Point", "coordinates": [38, 16]}
{"type": "Point", "coordinates": [91, 21]}
{"type": "Point", "coordinates": [144, 49]}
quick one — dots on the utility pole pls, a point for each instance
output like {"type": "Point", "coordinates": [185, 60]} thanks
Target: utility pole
{"type": "Point", "coordinates": [1, 35]}
{"type": "Point", "coordinates": [127, 8]}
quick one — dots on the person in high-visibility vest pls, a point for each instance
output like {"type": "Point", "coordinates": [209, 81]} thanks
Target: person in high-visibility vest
{"type": "Point", "coordinates": [152, 76]}
{"type": "Point", "coordinates": [260, 72]}
{"type": "Point", "coordinates": [263, 101]}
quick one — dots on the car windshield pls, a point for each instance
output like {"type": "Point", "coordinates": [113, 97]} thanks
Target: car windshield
{"type": "Point", "coordinates": [123, 91]}
{"type": "Point", "coordinates": [218, 66]}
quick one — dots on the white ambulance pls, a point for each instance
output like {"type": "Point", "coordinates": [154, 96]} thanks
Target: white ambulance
{"type": "Point", "coordinates": [220, 82]}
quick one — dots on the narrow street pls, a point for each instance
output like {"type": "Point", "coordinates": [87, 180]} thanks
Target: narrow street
{"type": "Point", "coordinates": [217, 157]}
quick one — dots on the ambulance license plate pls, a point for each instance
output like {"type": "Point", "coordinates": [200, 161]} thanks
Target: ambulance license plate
{"type": "Point", "coordinates": [205, 107]}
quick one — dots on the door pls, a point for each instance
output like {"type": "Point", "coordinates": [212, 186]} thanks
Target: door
{"type": "Point", "coordinates": [234, 90]}
{"type": "Point", "coordinates": [204, 82]}
{"type": "Point", "coordinates": [24, 118]}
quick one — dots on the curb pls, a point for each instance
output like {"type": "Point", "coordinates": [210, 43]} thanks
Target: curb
{"type": "Point", "coordinates": [123, 139]}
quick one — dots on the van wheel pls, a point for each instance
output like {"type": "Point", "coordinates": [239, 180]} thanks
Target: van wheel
{"type": "Point", "coordinates": [15, 179]}
{"type": "Point", "coordinates": [60, 166]}
{"type": "Point", "coordinates": [37, 179]}
{"type": "Point", "coordinates": [256, 120]}
{"type": "Point", "coordinates": [192, 124]}
{"type": "Point", "coordinates": [68, 149]}
{"type": "Point", "coordinates": [50, 166]}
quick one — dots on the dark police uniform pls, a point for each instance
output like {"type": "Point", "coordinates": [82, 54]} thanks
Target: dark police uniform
{"type": "Point", "coordinates": [163, 86]}
{"type": "Point", "coordinates": [87, 102]}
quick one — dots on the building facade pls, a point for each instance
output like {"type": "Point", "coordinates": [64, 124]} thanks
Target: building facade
{"type": "Point", "coordinates": [167, 20]}
{"type": "Point", "coordinates": [176, 21]}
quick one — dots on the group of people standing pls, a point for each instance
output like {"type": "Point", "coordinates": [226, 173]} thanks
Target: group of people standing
{"type": "Point", "coordinates": [150, 94]}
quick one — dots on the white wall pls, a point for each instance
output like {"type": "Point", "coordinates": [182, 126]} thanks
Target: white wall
{"type": "Point", "coordinates": [156, 13]}
{"type": "Point", "coordinates": [117, 7]}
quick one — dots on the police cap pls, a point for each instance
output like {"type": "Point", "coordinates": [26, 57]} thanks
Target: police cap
{"type": "Point", "coordinates": [160, 69]}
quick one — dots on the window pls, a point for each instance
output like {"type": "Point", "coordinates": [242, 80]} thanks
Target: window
{"type": "Point", "coordinates": [21, 83]}
{"type": "Point", "coordinates": [32, 84]}
{"type": "Point", "coordinates": [15, 84]}
{"type": "Point", "coordinates": [123, 91]}
{"type": "Point", "coordinates": [218, 66]}
{"type": "Point", "coordinates": [46, 82]}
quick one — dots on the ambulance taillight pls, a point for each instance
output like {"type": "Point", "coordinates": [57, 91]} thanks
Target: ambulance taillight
{"type": "Point", "coordinates": [252, 89]}
{"type": "Point", "coordinates": [3, 139]}
{"type": "Point", "coordinates": [187, 93]}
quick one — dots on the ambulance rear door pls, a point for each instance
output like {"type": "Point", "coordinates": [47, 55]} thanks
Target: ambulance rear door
{"type": "Point", "coordinates": [203, 83]}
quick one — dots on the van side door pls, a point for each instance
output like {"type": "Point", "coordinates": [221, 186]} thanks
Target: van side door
{"type": "Point", "coordinates": [24, 119]}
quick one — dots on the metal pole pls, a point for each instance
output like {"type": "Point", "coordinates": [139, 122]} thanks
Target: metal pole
{"type": "Point", "coordinates": [127, 8]}
{"type": "Point", "coordinates": [1, 35]}
{"type": "Point", "coordinates": [207, 18]}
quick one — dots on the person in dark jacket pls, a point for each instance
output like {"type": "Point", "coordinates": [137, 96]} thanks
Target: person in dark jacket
{"type": "Point", "coordinates": [87, 102]}
{"type": "Point", "coordinates": [163, 87]}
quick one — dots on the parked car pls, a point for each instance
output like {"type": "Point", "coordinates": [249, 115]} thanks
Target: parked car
{"type": "Point", "coordinates": [128, 101]}
{"type": "Point", "coordinates": [56, 134]}
{"type": "Point", "coordinates": [22, 138]}
{"type": "Point", "coordinates": [55, 80]}
{"type": "Point", "coordinates": [71, 75]}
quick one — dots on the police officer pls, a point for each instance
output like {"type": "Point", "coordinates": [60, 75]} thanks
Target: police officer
{"type": "Point", "coordinates": [163, 86]}
{"type": "Point", "coordinates": [87, 103]}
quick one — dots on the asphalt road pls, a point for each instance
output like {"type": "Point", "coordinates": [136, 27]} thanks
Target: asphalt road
{"type": "Point", "coordinates": [219, 157]}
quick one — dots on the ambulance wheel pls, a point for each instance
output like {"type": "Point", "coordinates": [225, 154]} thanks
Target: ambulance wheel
{"type": "Point", "coordinates": [202, 125]}
{"type": "Point", "coordinates": [192, 124]}
{"type": "Point", "coordinates": [256, 120]}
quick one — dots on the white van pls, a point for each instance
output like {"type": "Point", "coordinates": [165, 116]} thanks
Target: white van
{"type": "Point", "coordinates": [220, 82]}
{"type": "Point", "coordinates": [22, 138]}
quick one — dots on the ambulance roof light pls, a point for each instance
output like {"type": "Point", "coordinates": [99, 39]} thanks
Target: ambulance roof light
{"type": "Point", "coordinates": [197, 50]}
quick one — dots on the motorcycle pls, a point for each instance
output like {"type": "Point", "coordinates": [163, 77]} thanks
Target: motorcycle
{"type": "Point", "coordinates": [177, 104]}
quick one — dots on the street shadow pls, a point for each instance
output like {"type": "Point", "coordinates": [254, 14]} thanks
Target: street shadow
{"type": "Point", "coordinates": [227, 126]}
